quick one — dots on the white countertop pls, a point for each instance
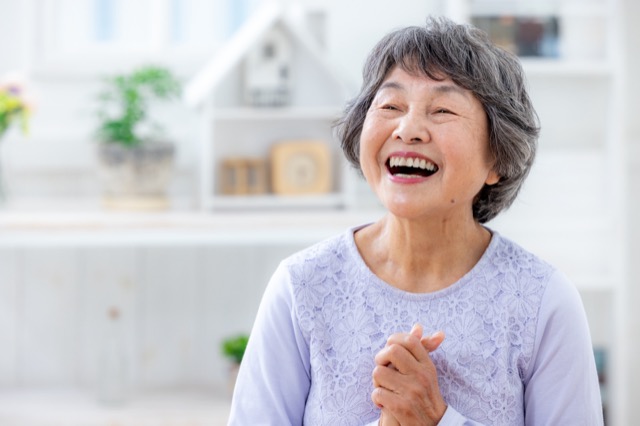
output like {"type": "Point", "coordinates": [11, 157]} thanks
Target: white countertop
{"type": "Point", "coordinates": [89, 225]}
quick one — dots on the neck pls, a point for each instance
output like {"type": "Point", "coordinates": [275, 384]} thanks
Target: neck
{"type": "Point", "coordinates": [419, 256]}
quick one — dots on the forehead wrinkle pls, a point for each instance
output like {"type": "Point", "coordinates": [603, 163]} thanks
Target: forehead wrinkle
{"type": "Point", "coordinates": [391, 85]}
{"type": "Point", "coordinates": [447, 88]}
{"type": "Point", "coordinates": [441, 88]}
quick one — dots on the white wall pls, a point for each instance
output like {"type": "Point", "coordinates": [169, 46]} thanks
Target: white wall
{"type": "Point", "coordinates": [632, 108]}
{"type": "Point", "coordinates": [57, 159]}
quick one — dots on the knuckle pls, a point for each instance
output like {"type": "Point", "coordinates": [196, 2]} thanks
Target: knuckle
{"type": "Point", "coordinates": [377, 372]}
{"type": "Point", "coordinates": [395, 350]}
{"type": "Point", "coordinates": [378, 398]}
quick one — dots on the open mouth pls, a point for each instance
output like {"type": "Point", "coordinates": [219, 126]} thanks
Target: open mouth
{"type": "Point", "coordinates": [410, 167]}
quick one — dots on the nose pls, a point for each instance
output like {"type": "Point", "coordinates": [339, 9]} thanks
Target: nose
{"type": "Point", "coordinates": [412, 128]}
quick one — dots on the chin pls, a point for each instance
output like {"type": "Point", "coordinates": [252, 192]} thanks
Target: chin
{"type": "Point", "coordinates": [409, 211]}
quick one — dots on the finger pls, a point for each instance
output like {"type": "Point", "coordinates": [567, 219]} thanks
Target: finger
{"type": "Point", "coordinates": [397, 357]}
{"type": "Point", "coordinates": [390, 403]}
{"type": "Point", "coordinates": [388, 378]}
{"type": "Point", "coordinates": [377, 397]}
{"type": "Point", "coordinates": [416, 330]}
{"type": "Point", "coordinates": [387, 419]}
{"type": "Point", "coordinates": [411, 342]}
{"type": "Point", "coordinates": [432, 342]}
{"type": "Point", "coordinates": [382, 397]}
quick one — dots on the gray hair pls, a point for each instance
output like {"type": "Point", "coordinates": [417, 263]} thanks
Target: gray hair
{"type": "Point", "coordinates": [495, 77]}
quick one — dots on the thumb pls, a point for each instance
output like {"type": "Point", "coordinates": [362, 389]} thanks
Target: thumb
{"type": "Point", "coordinates": [432, 342]}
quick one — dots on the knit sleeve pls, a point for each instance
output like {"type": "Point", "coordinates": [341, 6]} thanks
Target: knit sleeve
{"type": "Point", "coordinates": [561, 383]}
{"type": "Point", "coordinates": [274, 379]}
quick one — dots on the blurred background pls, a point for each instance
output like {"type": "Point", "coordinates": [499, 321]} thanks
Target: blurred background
{"type": "Point", "coordinates": [158, 158]}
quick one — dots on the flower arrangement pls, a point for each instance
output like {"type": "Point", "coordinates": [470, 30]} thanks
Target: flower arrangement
{"type": "Point", "coordinates": [15, 104]}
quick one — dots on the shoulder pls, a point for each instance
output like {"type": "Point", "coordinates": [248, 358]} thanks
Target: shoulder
{"type": "Point", "coordinates": [322, 255]}
{"type": "Point", "coordinates": [301, 270]}
{"type": "Point", "coordinates": [311, 271]}
{"type": "Point", "coordinates": [515, 281]}
{"type": "Point", "coordinates": [508, 257]}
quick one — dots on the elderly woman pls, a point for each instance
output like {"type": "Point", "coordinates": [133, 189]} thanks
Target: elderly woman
{"type": "Point", "coordinates": [352, 330]}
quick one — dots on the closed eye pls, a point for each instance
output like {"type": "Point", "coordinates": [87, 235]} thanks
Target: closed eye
{"type": "Point", "coordinates": [443, 111]}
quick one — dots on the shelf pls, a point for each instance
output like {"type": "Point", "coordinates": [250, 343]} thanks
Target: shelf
{"type": "Point", "coordinates": [285, 113]}
{"type": "Point", "coordinates": [566, 68]}
{"type": "Point", "coordinates": [77, 407]}
{"type": "Point", "coordinates": [179, 229]}
{"type": "Point", "coordinates": [329, 201]}
{"type": "Point", "coordinates": [539, 8]}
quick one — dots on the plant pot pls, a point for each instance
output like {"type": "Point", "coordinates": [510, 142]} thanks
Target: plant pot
{"type": "Point", "coordinates": [136, 178]}
{"type": "Point", "coordinates": [234, 369]}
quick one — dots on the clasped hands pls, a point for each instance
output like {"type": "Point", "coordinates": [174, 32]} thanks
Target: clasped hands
{"type": "Point", "coordinates": [405, 380]}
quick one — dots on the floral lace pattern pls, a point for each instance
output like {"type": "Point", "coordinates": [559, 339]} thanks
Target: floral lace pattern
{"type": "Point", "coordinates": [489, 316]}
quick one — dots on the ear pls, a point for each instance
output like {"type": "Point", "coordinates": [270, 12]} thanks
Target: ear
{"type": "Point", "coordinates": [492, 178]}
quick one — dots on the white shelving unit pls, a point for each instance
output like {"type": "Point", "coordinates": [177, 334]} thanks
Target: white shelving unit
{"type": "Point", "coordinates": [232, 128]}
{"type": "Point", "coordinates": [255, 130]}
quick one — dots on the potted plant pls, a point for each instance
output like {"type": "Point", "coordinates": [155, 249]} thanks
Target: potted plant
{"type": "Point", "coordinates": [135, 158]}
{"type": "Point", "coordinates": [233, 349]}
{"type": "Point", "coordinates": [15, 109]}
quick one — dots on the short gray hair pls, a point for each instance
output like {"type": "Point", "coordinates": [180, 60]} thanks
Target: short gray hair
{"type": "Point", "coordinates": [495, 77]}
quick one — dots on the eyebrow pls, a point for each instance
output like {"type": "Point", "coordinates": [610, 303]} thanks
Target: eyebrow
{"type": "Point", "coordinates": [440, 89]}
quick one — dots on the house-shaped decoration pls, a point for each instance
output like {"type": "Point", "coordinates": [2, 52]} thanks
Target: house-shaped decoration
{"type": "Point", "coordinates": [269, 86]}
{"type": "Point", "coordinates": [267, 71]}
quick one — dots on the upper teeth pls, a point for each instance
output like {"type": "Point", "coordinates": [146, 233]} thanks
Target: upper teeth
{"type": "Point", "coordinates": [412, 162]}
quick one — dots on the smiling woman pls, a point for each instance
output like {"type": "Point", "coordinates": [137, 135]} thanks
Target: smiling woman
{"type": "Point", "coordinates": [426, 316]}
{"type": "Point", "coordinates": [414, 119]}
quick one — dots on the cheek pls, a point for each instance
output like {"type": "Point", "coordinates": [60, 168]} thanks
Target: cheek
{"type": "Point", "coordinates": [367, 160]}
{"type": "Point", "coordinates": [367, 129]}
{"type": "Point", "coordinates": [369, 156]}
{"type": "Point", "coordinates": [368, 138]}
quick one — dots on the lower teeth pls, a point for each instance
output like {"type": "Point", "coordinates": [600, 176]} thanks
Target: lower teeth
{"type": "Point", "coordinates": [407, 176]}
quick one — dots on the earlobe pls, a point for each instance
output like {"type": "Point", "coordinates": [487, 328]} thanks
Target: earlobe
{"type": "Point", "coordinates": [492, 178]}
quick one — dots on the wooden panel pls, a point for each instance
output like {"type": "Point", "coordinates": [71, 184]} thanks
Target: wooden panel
{"type": "Point", "coordinates": [233, 279]}
{"type": "Point", "coordinates": [167, 316]}
{"type": "Point", "coordinates": [48, 344]}
{"type": "Point", "coordinates": [9, 311]}
{"type": "Point", "coordinates": [109, 279]}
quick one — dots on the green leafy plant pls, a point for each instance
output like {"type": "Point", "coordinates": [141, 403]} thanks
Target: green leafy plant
{"type": "Point", "coordinates": [234, 347]}
{"type": "Point", "coordinates": [124, 104]}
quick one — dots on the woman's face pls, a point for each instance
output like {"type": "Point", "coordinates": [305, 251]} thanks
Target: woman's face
{"type": "Point", "coordinates": [424, 147]}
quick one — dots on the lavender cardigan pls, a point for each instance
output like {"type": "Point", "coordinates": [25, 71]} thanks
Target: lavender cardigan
{"type": "Point", "coordinates": [517, 348]}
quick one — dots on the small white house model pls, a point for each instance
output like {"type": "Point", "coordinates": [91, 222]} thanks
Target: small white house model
{"type": "Point", "coordinates": [267, 78]}
{"type": "Point", "coordinates": [271, 83]}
